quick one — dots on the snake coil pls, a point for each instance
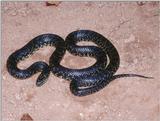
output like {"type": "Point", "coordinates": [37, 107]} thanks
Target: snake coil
{"type": "Point", "coordinates": [83, 81]}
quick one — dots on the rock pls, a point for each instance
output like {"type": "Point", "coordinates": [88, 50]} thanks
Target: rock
{"type": "Point", "coordinates": [141, 3]}
{"type": "Point", "coordinates": [53, 3]}
{"type": "Point", "coordinates": [26, 117]}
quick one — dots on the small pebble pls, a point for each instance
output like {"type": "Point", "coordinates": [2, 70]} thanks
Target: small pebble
{"type": "Point", "coordinates": [88, 3]}
{"type": "Point", "coordinates": [30, 104]}
{"type": "Point", "coordinates": [81, 115]}
{"type": "Point", "coordinates": [11, 114]}
{"type": "Point", "coordinates": [17, 97]}
{"type": "Point", "coordinates": [100, 15]}
{"type": "Point", "coordinates": [14, 13]}
{"type": "Point", "coordinates": [119, 114]}
{"type": "Point", "coordinates": [51, 89]}
{"type": "Point", "coordinates": [99, 118]}
{"type": "Point", "coordinates": [12, 102]}
{"type": "Point", "coordinates": [122, 65]}
{"type": "Point", "coordinates": [105, 106]}
{"type": "Point", "coordinates": [4, 77]}
{"type": "Point", "coordinates": [57, 104]}
{"type": "Point", "coordinates": [101, 5]}
{"type": "Point", "coordinates": [135, 61]}
{"type": "Point", "coordinates": [23, 13]}
{"type": "Point", "coordinates": [6, 8]}
{"type": "Point", "coordinates": [130, 39]}
{"type": "Point", "coordinates": [141, 3]}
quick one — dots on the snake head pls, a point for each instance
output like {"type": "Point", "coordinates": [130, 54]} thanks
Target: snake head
{"type": "Point", "coordinates": [42, 78]}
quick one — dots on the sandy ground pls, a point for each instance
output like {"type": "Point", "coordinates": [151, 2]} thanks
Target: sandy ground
{"type": "Point", "coordinates": [133, 28]}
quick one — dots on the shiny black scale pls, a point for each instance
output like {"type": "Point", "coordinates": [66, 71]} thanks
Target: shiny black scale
{"type": "Point", "coordinates": [83, 81]}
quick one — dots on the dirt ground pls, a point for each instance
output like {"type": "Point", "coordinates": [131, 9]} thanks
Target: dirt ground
{"type": "Point", "coordinates": [133, 28]}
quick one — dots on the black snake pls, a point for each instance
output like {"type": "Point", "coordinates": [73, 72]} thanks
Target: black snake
{"type": "Point", "coordinates": [83, 81]}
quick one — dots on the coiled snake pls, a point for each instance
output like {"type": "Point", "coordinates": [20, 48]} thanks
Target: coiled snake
{"type": "Point", "coordinates": [83, 81]}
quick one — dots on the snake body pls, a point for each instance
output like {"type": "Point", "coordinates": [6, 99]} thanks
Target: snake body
{"type": "Point", "coordinates": [83, 81]}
